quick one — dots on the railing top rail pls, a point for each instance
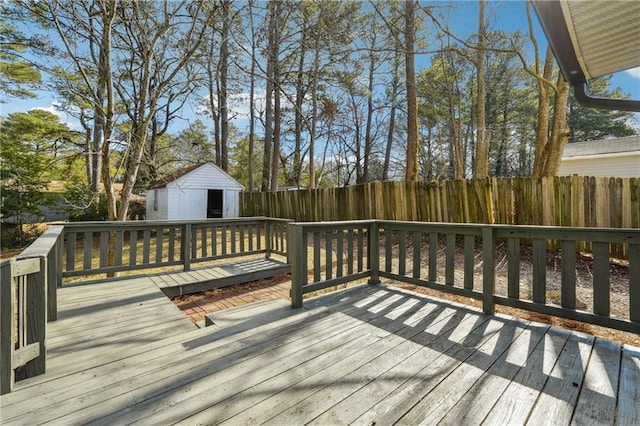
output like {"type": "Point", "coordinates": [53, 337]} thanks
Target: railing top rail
{"type": "Point", "coordinates": [279, 219]}
{"type": "Point", "coordinates": [158, 223]}
{"type": "Point", "coordinates": [605, 235]}
{"type": "Point", "coordinates": [334, 224]}
{"type": "Point", "coordinates": [460, 228]}
{"type": "Point", "coordinates": [613, 235]}
{"type": "Point", "coordinates": [43, 245]}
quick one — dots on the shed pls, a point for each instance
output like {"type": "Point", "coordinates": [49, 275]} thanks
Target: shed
{"type": "Point", "coordinates": [609, 158]}
{"type": "Point", "coordinates": [196, 192]}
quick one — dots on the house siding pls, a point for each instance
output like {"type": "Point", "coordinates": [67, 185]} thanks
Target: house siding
{"type": "Point", "coordinates": [606, 165]}
{"type": "Point", "coordinates": [604, 158]}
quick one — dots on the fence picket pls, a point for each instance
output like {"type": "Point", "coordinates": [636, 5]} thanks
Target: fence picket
{"type": "Point", "coordinates": [575, 201]}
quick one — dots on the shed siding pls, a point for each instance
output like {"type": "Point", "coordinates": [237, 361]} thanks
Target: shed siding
{"type": "Point", "coordinates": [187, 203]}
{"type": "Point", "coordinates": [162, 202]}
{"type": "Point", "coordinates": [613, 165]}
{"type": "Point", "coordinates": [186, 197]}
{"type": "Point", "coordinates": [231, 203]}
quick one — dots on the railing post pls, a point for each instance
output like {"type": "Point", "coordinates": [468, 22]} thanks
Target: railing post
{"type": "Point", "coordinates": [37, 318]}
{"type": "Point", "coordinates": [53, 264]}
{"type": "Point", "coordinates": [6, 328]}
{"type": "Point", "coordinates": [297, 255]}
{"type": "Point", "coordinates": [488, 269]}
{"type": "Point", "coordinates": [23, 316]}
{"type": "Point", "coordinates": [373, 252]}
{"type": "Point", "coordinates": [268, 234]}
{"type": "Point", "coordinates": [185, 246]}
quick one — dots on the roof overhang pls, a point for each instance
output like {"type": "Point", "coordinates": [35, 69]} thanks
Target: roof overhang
{"type": "Point", "coordinates": [591, 39]}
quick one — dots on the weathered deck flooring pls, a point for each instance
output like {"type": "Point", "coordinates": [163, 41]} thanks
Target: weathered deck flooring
{"type": "Point", "coordinates": [220, 275]}
{"type": "Point", "coordinates": [368, 355]}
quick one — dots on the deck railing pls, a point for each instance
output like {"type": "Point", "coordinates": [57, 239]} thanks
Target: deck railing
{"type": "Point", "coordinates": [158, 244]}
{"type": "Point", "coordinates": [28, 286]}
{"type": "Point", "coordinates": [462, 259]}
{"type": "Point", "coordinates": [27, 301]}
{"type": "Point", "coordinates": [455, 258]}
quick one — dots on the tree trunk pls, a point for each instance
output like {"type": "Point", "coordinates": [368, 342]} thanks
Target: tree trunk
{"type": "Point", "coordinates": [559, 129]}
{"type": "Point", "coordinates": [224, 71]}
{"type": "Point", "coordinates": [542, 129]}
{"type": "Point", "coordinates": [392, 113]}
{"type": "Point", "coordinates": [277, 119]}
{"type": "Point", "coordinates": [314, 113]}
{"type": "Point", "coordinates": [272, 57]}
{"type": "Point", "coordinates": [481, 164]}
{"type": "Point", "coordinates": [300, 93]}
{"type": "Point", "coordinates": [212, 82]}
{"type": "Point", "coordinates": [252, 85]}
{"type": "Point", "coordinates": [412, 104]}
{"type": "Point", "coordinates": [368, 142]}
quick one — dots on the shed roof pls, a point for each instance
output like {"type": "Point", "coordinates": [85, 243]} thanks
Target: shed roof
{"type": "Point", "coordinates": [177, 174]}
{"type": "Point", "coordinates": [608, 146]}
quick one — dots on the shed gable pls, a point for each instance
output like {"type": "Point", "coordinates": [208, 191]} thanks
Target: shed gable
{"type": "Point", "coordinates": [205, 176]}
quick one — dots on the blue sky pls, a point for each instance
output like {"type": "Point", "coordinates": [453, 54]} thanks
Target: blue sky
{"type": "Point", "coordinates": [508, 16]}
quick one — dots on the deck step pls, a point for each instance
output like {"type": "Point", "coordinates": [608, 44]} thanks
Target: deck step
{"type": "Point", "coordinates": [179, 283]}
{"type": "Point", "coordinates": [251, 315]}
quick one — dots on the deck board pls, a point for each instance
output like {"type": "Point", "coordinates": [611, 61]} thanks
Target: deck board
{"type": "Point", "coordinates": [202, 278]}
{"type": "Point", "coordinates": [369, 354]}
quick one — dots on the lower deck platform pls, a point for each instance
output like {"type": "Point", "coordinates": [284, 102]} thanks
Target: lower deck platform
{"type": "Point", "coordinates": [205, 278]}
{"type": "Point", "coordinates": [372, 354]}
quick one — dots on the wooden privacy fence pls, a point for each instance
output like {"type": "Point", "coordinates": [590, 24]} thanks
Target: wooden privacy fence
{"type": "Point", "coordinates": [574, 201]}
{"type": "Point", "coordinates": [329, 254]}
{"type": "Point", "coordinates": [554, 201]}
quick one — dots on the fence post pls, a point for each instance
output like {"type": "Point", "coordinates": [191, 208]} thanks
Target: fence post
{"type": "Point", "coordinates": [373, 252]}
{"type": "Point", "coordinates": [488, 269]}
{"type": "Point", "coordinates": [185, 246]}
{"type": "Point", "coordinates": [297, 252]}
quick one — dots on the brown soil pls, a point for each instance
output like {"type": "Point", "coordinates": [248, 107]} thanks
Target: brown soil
{"type": "Point", "coordinates": [197, 305]}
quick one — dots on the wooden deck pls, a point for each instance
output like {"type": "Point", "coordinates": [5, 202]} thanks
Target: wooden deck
{"type": "Point", "coordinates": [122, 353]}
{"type": "Point", "coordinates": [219, 275]}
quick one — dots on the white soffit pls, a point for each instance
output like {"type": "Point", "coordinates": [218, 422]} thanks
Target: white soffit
{"type": "Point", "coordinates": [604, 34]}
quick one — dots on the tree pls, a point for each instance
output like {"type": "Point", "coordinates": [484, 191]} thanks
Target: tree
{"type": "Point", "coordinates": [17, 75]}
{"type": "Point", "coordinates": [153, 44]}
{"type": "Point", "coordinates": [549, 144]}
{"type": "Point", "coordinates": [85, 30]}
{"type": "Point", "coordinates": [240, 165]}
{"type": "Point", "coordinates": [31, 143]}
{"type": "Point", "coordinates": [412, 103]}
{"type": "Point", "coordinates": [481, 160]}
{"type": "Point", "coordinates": [192, 146]}
{"type": "Point", "coordinates": [271, 120]}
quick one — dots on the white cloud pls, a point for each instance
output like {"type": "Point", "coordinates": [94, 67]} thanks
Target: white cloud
{"type": "Point", "coordinates": [634, 72]}
{"type": "Point", "coordinates": [68, 119]}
